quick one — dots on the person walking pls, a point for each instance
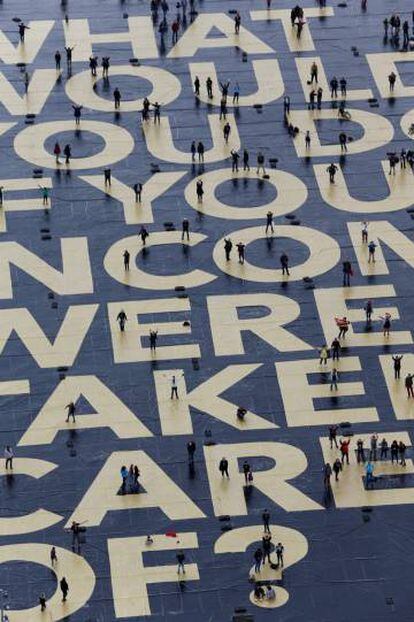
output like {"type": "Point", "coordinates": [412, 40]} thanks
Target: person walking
{"type": "Point", "coordinates": [143, 234]}
{"type": "Point", "coordinates": [386, 326]}
{"type": "Point", "coordinates": [76, 528]}
{"type": "Point", "coordinates": [105, 67]}
{"type": "Point", "coordinates": [226, 132]}
{"type": "Point", "coordinates": [175, 27]}
{"type": "Point", "coordinates": [146, 109]}
{"type": "Point", "coordinates": [8, 457]}
{"type": "Point", "coordinates": [406, 34]}
{"type": "Point", "coordinates": [246, 471]}
{"type": "Point", "coordinates": [333, 430]}
{"type": "Point", "coordinates": [336, 348]}
{"type": "Point", "coordinates": [246, 166]}
{"type": "Point", "coordinates": [258, 558]}
{"type": "Point", "coordinates": [323, 355]}
{"type": "Point", "coordinates": [327, 473]}
{"type": "Point", "coordinates": [369, 473]}
{"type": "Point", "coordinates": [124, 476]}
{"type": "Point", "coordinates": [236, 93]}
{"type": "Point", "coordinates": [58, 58]}
{"type": "Point", "coordinates": [364, 232]}
{"type": "Point", "coordinates": [185, 230]}
{"type": "Point", "coordinates": [397, 365]}
{"type": "Point", "coordinates": [319, 94]}
{"type": "Point", "coordinates": [241, 250]}
{"type": "Point", "coordinates": [56, 151]}
{"type": "Point", "coordinates": [266, 521]}
{"type": "Point", "coordinates": [307, 140]}
{"type": "Point", "coordinates": [199, 191]}
{"type": "Point", "coordinates": [153, 336]}
{"type": "Point", "coordinates": [401, 452]}
{"type": "Point", "coordinates": [193, 150]}
{"type": "Point", "coordinates": [260, 163]}
{"type": "Point", "coordinates": [223, 109]}
{"type": "Point", "coordinates": [284, 262]}
{"type": "Point", "coordinates": [138, 192]}
{"type": "Point", "coordinates": [93, 65]}
{"type": "Point", "coordinates": [403, 159]}
{"type": "Point", "coordinates": [373, 447]}
{"type": "Point", "coordinates": [53, 557]}
{"type": "Point", "coordinates": [69, 51]}
{"type": "Point", "coordinates": [347, 273]}
{"type": "Point", "coordinates": [126, 255]}
{"type": "Point", "coordinates": [342, 84]}
{"type": "Point", "coordinates": [42, 601]}
{"type": "Point", "coordinates": [332, 169]}
{"type": "Point", "coordinates": [237, 22]}
{"type": "Point", "coordinates": [368, 310]}
{"type": "Point", "coordinates": [121, 319]}
{"type": "Point", "coordinates": [313, 73]}
{"type": "Point", "coordinates": [180, 561]}
{"type": "Point", "coordinates": [384, 449]}
{"type": "Point", "coordinates": [267, 547]}
{"type": "Point", "coordinates": [234, 161]}
{"type": "Point", "coordinates": [360, 451]}
{"type": "Point", "coordinates": [279, 550]}
{"type": "Point", "coordinates": [286, 106]}
{"type": "Point", "coordinates": [344, 449]}
{"type": "Point", "coordinates": [312, 97]}
{"type": "Point", "coordinates": [22, 31]}
{"type": "Point", "coordinates": [394, 452]}
{"type": "Point", "coordinates": [337, 468]}
{"type": "Point", "coordinates": [174, 388]}
{"type": "Point", "coordinates": [77, 113]}
{"type": "Point", "coordinates": [343, 325]}
{"type": "Point", "coordinates": [228, 245]}
{"type": "Point", "coordinates": [191, 449]}
{"type": "Point", "coordinates": [392, 79]}
{"type": "Point", "coordinates": [224, 467]}
{"type": "Point", "coordinates": [209, 87]}
{"type": "Point", "coordinates": [64, 587]}
{"type": "Point", "coordinates": [45, 195]}
{"type": "Point", "coordinates": [67, 152]}
{"type": "Point", "coordinates": [197, 86]}
{"type": "Point", "coordinates": [157, 112]}
{"type": "Point", "coordinates": [269, 222]}
{"type": "Point", "coordinates": [71, 408]}
{"type": "Point", "coordinates": [409, 381]}
{"type": "Point", "coordinates": [224, 86]}
{"type": "Point", "coordinates": [117, 98]}
{"type": "Point", "coordinates": [334, 376]}
{"type": "Point", "coordinates": [334, 87]}
{"type": "Point", "coordinates": [136, 475]}
{"type": "Point", "coordinates": [107, 176]}
{"type": "Point", "coordinates": [200, 151]}
{"type": "Point", "coordinates": [371, 251]}
{"type": "Point", "coordinates": [342, 142]}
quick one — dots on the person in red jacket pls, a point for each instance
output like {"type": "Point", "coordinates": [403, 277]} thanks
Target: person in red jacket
{"type": "Point", "coordinates": [344, 447]}
{"type": "Point", "coordinates": [175, 27]}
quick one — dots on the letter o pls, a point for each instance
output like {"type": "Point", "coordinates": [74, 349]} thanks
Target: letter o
{"type": "Point", "coordinates": [165, 88]}
{"type": "Point", "coordinates": [324, 254]}
{"type": "Point", "coordinates": [29, 144]}
{"type": "Point", "coordinates": [135, 277]}
{"type": "Point", "coordinates": [291, 194]}
{"type": "Point", "coordinates": [74, 568]}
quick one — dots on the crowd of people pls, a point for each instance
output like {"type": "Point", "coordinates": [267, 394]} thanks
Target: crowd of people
{"type": "Point", "coordinates": [365, 456]}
